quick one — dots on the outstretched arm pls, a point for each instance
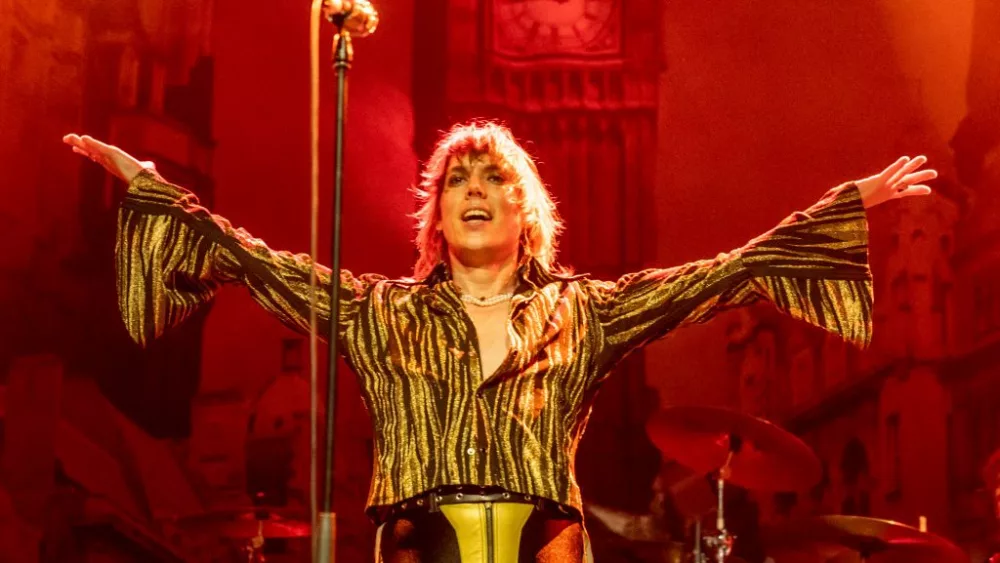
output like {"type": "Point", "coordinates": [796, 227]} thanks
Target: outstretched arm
{"type": "Point", "coordinates": [172, 256]}
{"type": "Point", "coordinates": [813, 266]}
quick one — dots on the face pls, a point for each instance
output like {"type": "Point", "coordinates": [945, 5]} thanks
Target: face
{"type": "Point", "coordinates": [478, 220]}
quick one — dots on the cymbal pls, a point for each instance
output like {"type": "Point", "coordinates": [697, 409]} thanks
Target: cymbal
{"type": "Point", "coordinates": [766, 456]}
{"type": "Point", "coordinates": [248, 522]}
{"type": "Point", "coordinates": [875, 540]}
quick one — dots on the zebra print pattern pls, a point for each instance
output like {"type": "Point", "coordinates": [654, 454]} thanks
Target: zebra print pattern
{"type": "Point", "coordinates": [438, 420]}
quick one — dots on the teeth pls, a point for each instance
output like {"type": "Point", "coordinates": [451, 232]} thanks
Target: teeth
{"type": "Point", "coordinates": [475, 214]}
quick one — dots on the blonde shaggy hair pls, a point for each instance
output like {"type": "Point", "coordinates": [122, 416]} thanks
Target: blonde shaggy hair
{"type": "Point", "coordinates": [541, 222]}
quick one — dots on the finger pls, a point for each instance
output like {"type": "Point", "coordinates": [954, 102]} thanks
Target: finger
{"type": "Point", "coordinates": [915, 178]}
{"type": "Point", "coordinates": [919, 177]}
{"type": "Point", "coordinates": [78, 150]}
{"type": "Point", "coordinates": [88, 140]}
{"type": "Point", "coordinates": [95, 144]}
{"type": "Point", "coordinates": [908, 168]}
{"type": "Point", "coordinates": [73, 141]}
{"type": "Point", "coordinates": [918, 189]}
{"type": "Point", "coordinates": [891, 170]}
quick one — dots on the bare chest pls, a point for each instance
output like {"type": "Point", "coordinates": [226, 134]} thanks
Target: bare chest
{"type": "Point", "coordinates": [491, 331]}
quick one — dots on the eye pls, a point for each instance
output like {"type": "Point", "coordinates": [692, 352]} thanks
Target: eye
{"type": "Point", "coordinates": [455, 180]}
{"type": "Point", "coordinates": [495, 178]}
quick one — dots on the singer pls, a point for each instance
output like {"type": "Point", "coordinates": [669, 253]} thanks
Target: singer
{"type": "Point", "coordinates": [479, 372]}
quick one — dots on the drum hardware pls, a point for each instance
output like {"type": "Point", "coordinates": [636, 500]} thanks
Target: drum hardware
{"type": "Point", "coordinates": [697, 556]}
{"type": "Point", "coordinates": [735, 448]}
{"type": "Point", "coordinates": [872, 540]}
{"type": "Point", "coordinates": [255, 524]}
{"type": "Point", "coordinates": [721, 542]}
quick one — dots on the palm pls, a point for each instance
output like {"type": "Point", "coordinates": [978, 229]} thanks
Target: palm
{"type": "Point", "coordinates": [901, 179]}
{"type": "Point", "coordinates": [116, 161]}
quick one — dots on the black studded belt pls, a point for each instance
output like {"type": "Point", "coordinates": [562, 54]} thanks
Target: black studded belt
{"type": "Point", "coordinates": [433, 499]}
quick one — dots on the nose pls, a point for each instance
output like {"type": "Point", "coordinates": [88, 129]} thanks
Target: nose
{"type": "Point", "coordinates": [475, 187]}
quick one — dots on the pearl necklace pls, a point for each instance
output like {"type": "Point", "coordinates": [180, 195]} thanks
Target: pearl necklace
{"type": "Point", "coordinates": [486, 301]}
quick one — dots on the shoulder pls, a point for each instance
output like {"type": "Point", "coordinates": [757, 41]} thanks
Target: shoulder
{"type": "Point", "coordinates": [402, 283]}
{"type": "Point", "coordinates": [397, 287]}
{"type": "Point", "coordinates": [539, 276]}
{"type": "Point", "coordinates": [562, 285]}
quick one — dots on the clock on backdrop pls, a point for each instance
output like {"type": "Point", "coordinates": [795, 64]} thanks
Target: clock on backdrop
{"type": "Point", "coordinates": [539, 28]}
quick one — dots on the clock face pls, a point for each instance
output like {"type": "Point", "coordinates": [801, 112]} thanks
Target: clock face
{"type": "Point", "coordinates": [528, 28]}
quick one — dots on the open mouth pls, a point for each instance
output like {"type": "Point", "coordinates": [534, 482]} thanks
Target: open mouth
{"type": "Point", "coordinates": [476, 216]}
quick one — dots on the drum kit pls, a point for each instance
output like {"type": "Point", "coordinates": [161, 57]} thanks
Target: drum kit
{"type": "Point", "coordinates": [757, 455]}
{"type": "Point", "coordinates": [732, 448]}
{"type": "Point", "coordinates": [252, 525]}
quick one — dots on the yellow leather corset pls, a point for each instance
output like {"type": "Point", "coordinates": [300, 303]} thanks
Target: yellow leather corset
{"type": "Point", "coordinates": [482, 527]}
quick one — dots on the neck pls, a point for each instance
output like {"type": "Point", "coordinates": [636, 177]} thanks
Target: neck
{"type": "Point", "coordinates": [484, 280]}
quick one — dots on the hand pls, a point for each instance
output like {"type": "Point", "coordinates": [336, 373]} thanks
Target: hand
{"type": "Point", "coordinates": [901, 179]}
{"type": "Point", "coordinates": [116, 161]}
{"type": "Point", "coordinates": [332, 7]}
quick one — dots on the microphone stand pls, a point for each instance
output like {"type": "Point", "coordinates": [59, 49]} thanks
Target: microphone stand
{"type": "Point", "coordinates": [343, 56]}
{"type": "Point", "coordinates": [360, 18]}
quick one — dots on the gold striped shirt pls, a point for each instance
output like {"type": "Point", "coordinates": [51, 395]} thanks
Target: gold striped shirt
{"type": "Point", "coordinates": [437, 421]}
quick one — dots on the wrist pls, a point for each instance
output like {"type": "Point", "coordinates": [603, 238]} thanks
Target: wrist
{"type": "Point", "coordinates": [141, 167]}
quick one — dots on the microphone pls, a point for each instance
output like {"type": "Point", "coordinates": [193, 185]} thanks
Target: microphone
{"type": "Point", "coordinates": [358, 17]}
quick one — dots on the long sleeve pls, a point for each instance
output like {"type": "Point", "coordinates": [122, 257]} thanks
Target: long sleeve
{"type": "Point", "coordinates": [813, 266]}
{"type": "Point", "coordinates": [173, 256]}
